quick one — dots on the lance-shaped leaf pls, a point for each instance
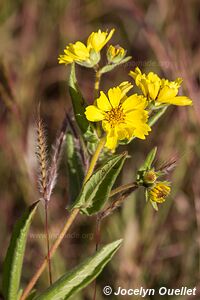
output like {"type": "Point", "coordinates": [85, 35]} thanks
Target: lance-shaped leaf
{"type": "Point", "coordinates": [79, 105]}
{"type": "Point", "coordinates": [149, 160]}
{"type": "Point", "coordinates": [96, 190]}
{"type": "Point", "coordinates": [81, 276]}
{"type": "Point", "coordinates": [15, 254]}
{"type": "Point", "coordinates": [74, 167]}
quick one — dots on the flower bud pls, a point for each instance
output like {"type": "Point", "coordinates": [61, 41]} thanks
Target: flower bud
{"type": "Point", "coordinates": [149, 177]}
{"type": "Point", "coordinates": [115, 54]}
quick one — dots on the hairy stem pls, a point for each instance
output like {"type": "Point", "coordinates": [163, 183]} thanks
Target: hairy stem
{"type": "Point", "coordinates": [66, 227]}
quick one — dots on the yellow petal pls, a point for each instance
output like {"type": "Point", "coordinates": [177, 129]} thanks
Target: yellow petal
{"type": "Point", "coordinates": [134, 102]}
{"type": "Point", "coordinates": [94, 114]}
{"type": "Point", "coordinates": [106, 126]}
{"type": "Point", "coordinates": [143, 85]}
{"type": "Point", "coordinates": [141, 131]}
{"type": "Point", "coordinates": [153, 89]}
{"type": "Point", "coordinates": [64, 59]}
{"type": "Point", "coordinates": [167, 93]}
{"type": "Point", "coordinates": [125, 87]}
{"type": "Point", "coordinates": [111, 140]}
{"type": "Point", "coordinates": [134, 74]}
{"type": "Point", "coordinates": [97, 40]}
{"type": "Point", "coordinates": [103, 102]}
{"type": "Point", "coordinates": [178, 100]}
{"type": "Point", "coordinates": [114, 96]}
{"type": "Point", "coordinates": [122, 132]}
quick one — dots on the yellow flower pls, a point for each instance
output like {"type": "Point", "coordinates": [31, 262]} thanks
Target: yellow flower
{"type": "Point", "coordinates": [86, 55]}
{"type": "Point", "coordinates": [122, 117]}
{"type": "Point", "coordinates": [115, 54]}
{"type": "Point", "coordinates": [159, 192]}
{"type": "Point", "coordinates": [159, 91]}
{"type": "Point", "coordinates": [74, 52]}
{"type": "Point", "coordinates": [97, 40]}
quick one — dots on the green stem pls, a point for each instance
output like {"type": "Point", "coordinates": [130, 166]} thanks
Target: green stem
{"type": "Point", "coordinates": [94, 159]}
{"type": "Point", "coordinates": [156, 116]}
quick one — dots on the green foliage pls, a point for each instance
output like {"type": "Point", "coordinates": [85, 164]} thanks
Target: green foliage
{"type": "Point", "coordinates": [96, 190]}
{"type": "Point", "coordinates": [146, 166]}
{"type": "Point", "coordinates": [149, 159]}
{"type": "Point", "coordinates": [81, 276]}
{"type": "Point", "coordinates": [74, 166]}
{"type": "Point", "coordinates": [15, 254]}
{"type": "Point", "coordinates": [79, 104]}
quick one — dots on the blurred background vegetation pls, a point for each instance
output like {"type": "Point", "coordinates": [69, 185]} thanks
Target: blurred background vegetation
{"type": "Point", "coordinates": [159, 249]}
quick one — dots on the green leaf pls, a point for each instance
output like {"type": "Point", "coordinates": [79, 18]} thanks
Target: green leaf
{"type": "Point", "coordinates": [79, 105]}
{"type": "Point", "coordinates": [149, 160]}
{"type": "Point", "coordinates": [74, 166]}
{"type": "Point", "coordinates": [154, 205]}
{"type": "Point", "coordinates": [110, 67]}
{"type": "Point", "coordinates": [96, 190]}
{"type": "Point", "coordinates": [81, 276]}
{"type": "Point", "coordinates": [15, 254]}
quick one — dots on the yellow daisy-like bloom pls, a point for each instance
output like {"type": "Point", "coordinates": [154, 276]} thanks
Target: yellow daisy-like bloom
{"type": "Point", "coordinates": [160, 91]}
{"type": "Point", "coordinates": [74, 52]}
{"type": "Point", "coordinates": [159, 192]}
{"type": "Point", "coordinates": [86, 55]}
{"type": "Point", "coordinates": [122, 117]}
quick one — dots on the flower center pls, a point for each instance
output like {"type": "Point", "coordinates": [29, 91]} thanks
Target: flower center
{"type": "Point", "coordinates": [115, 116]}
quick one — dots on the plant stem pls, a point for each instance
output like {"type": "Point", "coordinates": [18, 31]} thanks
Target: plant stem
{"type": "Point", "coordinates": [97, 83]}
{"type": "Point", "coordinates": [156, 116]}
{"type": "Point", "coordinates": [66, 227]}
{"type": "Point", "coordinates": [97, 238]}
{"type": "Point", "coordinates": [48, 246]}
{"type": "Point", "coordinates": [94, 159]}
{"type": "Point", "coordinates": [123, 188]}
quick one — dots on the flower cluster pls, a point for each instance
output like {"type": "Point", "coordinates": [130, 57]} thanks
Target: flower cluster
{"type": "Point", "coordinates": [122, 116]}
{"type": "Point", "coordinates": [159, 91]}
{"type": "Point", "coordinates": [86, 55]}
